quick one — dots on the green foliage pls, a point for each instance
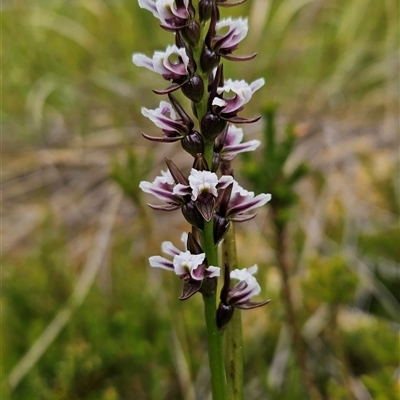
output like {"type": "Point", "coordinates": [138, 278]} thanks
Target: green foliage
{"type": "Point", "coordinates": [330, 281]}
{"type": "Point", "coordinates": [114, 345]}
{"type": "Point", "coordinates": [131, 173]}
{"type": "Point", "coordinates": [268, 174]}
{"type": "Point", "coordinates": [382, 386]}
{"type": "Point", "coordinates": [377, 350]}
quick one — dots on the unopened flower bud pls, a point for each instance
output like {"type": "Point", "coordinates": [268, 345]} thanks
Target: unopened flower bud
{"type": "Point", "coordinates": [224, 314]}
{"type": "Point", "coordinates": [193, 143]}
{"type": "Point", "coordinates": [209, 59]}
{"type": "Point", "coordinates": [193, 89]}
{"type": "Point", "coordinates": [212, 126]}
{"type": "Point", "coordinates": [215, 162]}
{"type": "Point", "coordinates": [221, 226]}
{"type": "Point", "coordinates": [192, 33]}
{"type": "Point", "coordinates": [205, 8]}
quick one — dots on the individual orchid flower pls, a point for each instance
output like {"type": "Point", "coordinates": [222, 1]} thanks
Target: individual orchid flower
{"type": "Point", "coordinates": [242, 201]}
{"type": "Point", "coordinates": [223, 110]}
{"type": "Point", "coordinates": [172, 119]}
{"type": "Point", "coordinates": [234, 201]}
{"type": "Point", "coordinates": [173, 14]}
{"type": "Point", "coordinates": [203, 188]}
{"type": "Point", "coordinates": [229, 143]}
{"type": "Point", "coordinates": [190, 264]}
{"type": "Point", "coordinates": [238, 296]}
{"type": "Point", "coordinates": [232, 204]}
{"type": "Point", "coordinates": [242, 93]}
{"type": "Point", "coordinates": [229, 41]}
{"type": "Point", "coordinates": [173, 188]}
{"type": "Point", "coordinates": [177, 66]}
{"type": "Point", "coordinates": [223, 44]}
{"type": "Point", "coordinates": [173, 64]}
{"type": "Point", "coordinates": [163, 188]}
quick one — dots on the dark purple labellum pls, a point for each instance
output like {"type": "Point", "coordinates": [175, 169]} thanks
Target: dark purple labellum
{"type": "Point", "coordinates": [193, 89]}
{"type": "Point", "coordinates": [206, 207]}
{"type": "Point", "coordinates": [212, 126]}
{"type": "Point", "coordinates": [189, 289]}
{"type": "Point", "coordinates": [209, 60]}
{"type": "Point", "coordinates": [193, 143]}
{"type": "Point", "coordinates": [192, 215]}
{"type": "Point", "coordinates": [200, 163]}
{"type": "Point", "coordinates": [224, 314]}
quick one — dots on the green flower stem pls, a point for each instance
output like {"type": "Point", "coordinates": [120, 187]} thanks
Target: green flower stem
{"type": "Point", "coordinates": [233, 331]}
{"type": "Point", "coordinates": [214, 336]}
{"type": "Point", "coordinates": [215, 350]}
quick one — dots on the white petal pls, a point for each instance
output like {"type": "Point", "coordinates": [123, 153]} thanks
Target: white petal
{"type": "Point", "coordinates": [253, 270]}
{"type": "Point", "coordinates": [257, 84]}
{"type": "Point", "coordinates": [203, 181]}
{"type": "Point", "coordinates": [181, 190]}
{"type": "Point", "coordinates": [213, 271]}
{"type": "Point", "coordinates": [225, 181]}
{"type": "Point", "coordinates": [141, 60]}
{"type": "Point", "coordinates": [184, 262]}
{"type": "Point", "coordinates": [149, 5]}
{"type": "Point", "coordinates": [161, 262]}
{"type": "Point", "coordinates": [169, 248]}
{"type": "Point", "coordinates": [244, 274]}
{"type": "Point", "coordinates": [184, 238]}
{"type": "Point", "coordinates": [219, 102]}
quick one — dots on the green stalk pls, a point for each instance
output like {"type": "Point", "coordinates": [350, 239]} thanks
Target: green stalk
{"type": "Point", "coordinates": [233, 331]}
{"type": "Point", "coordinates": [215, 350]}
{"type": "Point", "coordinates": [214, 336]}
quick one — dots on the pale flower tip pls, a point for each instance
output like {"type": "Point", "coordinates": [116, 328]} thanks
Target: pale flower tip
{"type": "Point", "coordinates": [136, 57]}
{"type": "Point", "coordinates": [257, 84]}
{"type": "Point", "coordinates": [253, 270]}
{"type": "Point", "coordinates": [213, 271]}
{"type": "Point", "coordinates": [143, 185]}
{"type": "Point", "coordinates": [219, 102]}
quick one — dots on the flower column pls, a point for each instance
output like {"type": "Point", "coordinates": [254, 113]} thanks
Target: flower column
{"type": "Point", "coordinates": [208, 202]}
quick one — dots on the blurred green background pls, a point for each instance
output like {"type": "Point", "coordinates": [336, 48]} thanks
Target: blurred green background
{"type": "Point", "coordinates": [83, 316]}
